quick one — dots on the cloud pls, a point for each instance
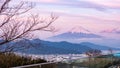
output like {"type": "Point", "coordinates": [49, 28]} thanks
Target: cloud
{"type": "Point", "coordinates": [100, 5]}
{"type": "Point", "coordinates": [43, 1]}
{"type": "Point", "coordinates": [113, 30]}
{"type": "Point", "coordinates": [86, 4]}
{"type": "Point", "coordinates": [107, 3]}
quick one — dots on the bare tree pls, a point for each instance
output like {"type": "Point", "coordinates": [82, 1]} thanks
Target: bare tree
{"type": "Point", "coordinates": [13, 27]}
{"type": "Point", "coordinates": [93, 53]}
{"type": "Point", "coordinates": [111, 52]}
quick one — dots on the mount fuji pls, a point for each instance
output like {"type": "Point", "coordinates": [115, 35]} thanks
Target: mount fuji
{"type": "Point", "coordinates": [76, 33]}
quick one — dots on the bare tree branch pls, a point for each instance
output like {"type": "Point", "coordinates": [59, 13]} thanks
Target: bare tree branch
{"type": "Point", "coordinates": [12, 27]}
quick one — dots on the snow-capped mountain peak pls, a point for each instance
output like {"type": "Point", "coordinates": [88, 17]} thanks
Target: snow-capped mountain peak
{"type": "Point", "coordinates": [79, 29]}
{"type": "Point", "coordinates": [76, 33]}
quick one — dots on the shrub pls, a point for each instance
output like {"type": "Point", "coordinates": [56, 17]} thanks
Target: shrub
{"type": "Point", "coordinates": [11, 60]}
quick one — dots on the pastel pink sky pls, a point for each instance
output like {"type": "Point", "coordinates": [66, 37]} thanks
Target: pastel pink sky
{"type": "Point", "coordinates": [94, 15]}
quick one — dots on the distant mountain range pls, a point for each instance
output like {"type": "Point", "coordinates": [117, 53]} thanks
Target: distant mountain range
{"type": "Point", "coordinates": [75, 33]}
{"type": "Point", "coordinates": [96, 46]}
{"type": "Point", "coordinates": [70, 35]}
{"type": "Point", "coordinates": [47, 47]}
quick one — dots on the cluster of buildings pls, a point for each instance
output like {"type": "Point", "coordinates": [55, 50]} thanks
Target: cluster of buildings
{"type": "Point", "coordinates": [59, 57]}
{"type": "Point", "coordinates": [55, 57]}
